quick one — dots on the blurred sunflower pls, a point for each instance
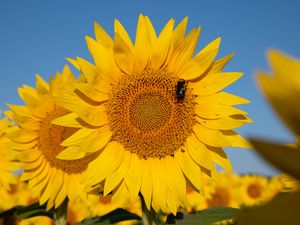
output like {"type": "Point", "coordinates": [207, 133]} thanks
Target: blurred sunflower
{"type": "Point", "coordinates": [155, 111]}
{"type": "Point", "coordinates": [224, 193]}
{"type": "Point", "coordinates": [254, 190]}
{"type": "Point", "coordinates": [6, 157]}
{"type": "Point", "coordinates": [37, 141]}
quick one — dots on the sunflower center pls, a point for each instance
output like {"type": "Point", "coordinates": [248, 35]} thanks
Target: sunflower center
{"type": "Point", "coordinates": [49, 140]}
{"type": "Point", "coordinates": [146, 117]}
{"type": "Point", "coordinates": [149, 111]}
{"type": "Point", "coordinates": [254, 190]}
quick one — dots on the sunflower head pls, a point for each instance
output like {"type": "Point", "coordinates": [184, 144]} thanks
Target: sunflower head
{"type": "Point", "coordinates": [37, 141]}
{"type": "Point", "coordinates": [254, 190]}
{"type": "Point", "coordinates": [155, 112]}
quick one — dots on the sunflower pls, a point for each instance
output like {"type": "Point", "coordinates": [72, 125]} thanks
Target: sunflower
{"type": "Point", "coordinates": [224, 193]}
{"type": "Point", "coordinates": [155, 111]}
{"type": "Point", "coordinates": [254, 190]}
{"type": "Point", "coordinates": [36, 141]}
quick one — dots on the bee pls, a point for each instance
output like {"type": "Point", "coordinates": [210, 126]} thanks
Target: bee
{"type": "Point", "coordinates": [180, 89]}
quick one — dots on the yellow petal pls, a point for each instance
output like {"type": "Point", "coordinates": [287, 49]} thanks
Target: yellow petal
{"type": "Point", "coordinates": [62, 192]}
{"type": "Point", "coordinates": [190, 169]}
{"type": "Point", "coordinates": [68, 120]}
{"type": "Point", "coordinates": [73, 62]}
{"type": "Point", "coordinates": [185, 51]}
{"type": "Point", "coordinates": [133, 178]}
{"type": "Point", "coordinates": [159, 187]}
{"type": "Point", "coordinates": [175, 179]}
{"type": "Point", "coordinates": [115, 178]}
{"type": "Point", "coordinates": [197, 66]}
{"type": "Point", "coordinates": [220, 157]}
{"type": "Point", "coordinates": [27, 123]}
{"type": "Point", "coordinates": [219, 64]}
{"type": "Point", "coordinates": [47, 192]}
{"type": "Point", "coordinates": [120, 30]}
{"type": "Point", "coordinates": [210, 137]}
{"type": "Point", "coordinates": [78, 137]}
{"type": "Point", "coordinates": [216, 110]}
{"type": "Point", "coordinates": [123, 55]}
{"type": "Point", "coordinates": [90, 94]}
{"type": "Point", "coordinates": [279, 94]}
{"type": "Point", "coordinates": [225, 123]}
{"type": "Point", "coordinates": [146, 183]}
{"type": "Point", "coordinates": [213, 83]}
{"type": "Point", "coordinates": [96, 140]}
{"type": "Point", "coordinates": [22, 136]}
{"type": "Point", "coordinates": [162, 46]}
{"type": "Point", "coordinates": [87, 69]}
{"type": "Point", "coordinates": [57, 185]}
{"type": "Point", "coordinates": [106, 163]}
{"type": "Point", "coordinates": [42, 86]}
{"type": "Point", "coordinates": [199, 152]}
{"type": "Point", "coordinates": [142, 44]}
{"type": "Point", "coordinates": [104, 60]}
{"type": "Point", "coordinates": [235, 139]}
{"type": "Point", "coordinates": [212, 46]}
{"type": "Point", "coordinates": [70, 153]}
{"type": "Point", "coordinates": [151, 31]}
{"type": "Point", "coordinates": [102, 37]}
{"type": "Point", "coordinates": [179, 33]}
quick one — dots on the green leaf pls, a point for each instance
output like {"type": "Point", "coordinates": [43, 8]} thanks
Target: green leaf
{"type": "Point", "coordinates": [285, 158]}
{"type": "Point", "coordinates": [113, 217]}
{"type": "Point", "coordinates": [210, 216]}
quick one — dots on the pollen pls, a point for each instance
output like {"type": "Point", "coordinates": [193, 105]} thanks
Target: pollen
{"type": "Point", "coordinates": [146, 117]}
{"type": "Point", "coordinates": [49, 140]}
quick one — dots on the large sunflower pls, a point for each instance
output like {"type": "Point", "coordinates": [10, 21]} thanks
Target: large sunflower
{"type": "Point", "coordinates": [6, 157]}
{"type": "Point", "coordinates": [37, 141]}
{"type": "Point", "coordinates": [156, 112]}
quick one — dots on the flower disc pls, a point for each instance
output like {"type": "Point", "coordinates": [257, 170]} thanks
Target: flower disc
{"type": "Point", "coordinates": [147, 118]}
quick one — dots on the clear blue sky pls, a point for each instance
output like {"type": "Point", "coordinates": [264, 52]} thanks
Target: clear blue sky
{"type": "Point", "coordinates": [36, 36]}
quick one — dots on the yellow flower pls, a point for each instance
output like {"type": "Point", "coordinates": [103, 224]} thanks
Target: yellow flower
{"type": "Point", "coordinates": [37, 141]}
{"type": "Point", "coordinates": [283, 92]}
{"type": "Point", "coordinates": [224, 193]}
{"type": "Point", "coordinates": [254, 190]}
{"type": "Point", "coordinates": [6, 164]}
{"type": "Point", "coordinates": [155, 111]}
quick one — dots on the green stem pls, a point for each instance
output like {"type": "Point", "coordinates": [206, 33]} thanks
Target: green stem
{"type": "Point", "coordinates": [60, 214]}
{"type": "Point", "coordinates": [149, 217]}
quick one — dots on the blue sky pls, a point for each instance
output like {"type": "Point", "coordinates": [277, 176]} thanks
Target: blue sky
{"type": "Point", "coordinates": [37, 36]}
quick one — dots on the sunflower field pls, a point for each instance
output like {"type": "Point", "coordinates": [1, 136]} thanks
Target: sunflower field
{"type": "Point", "coordinates": [135, 134]}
